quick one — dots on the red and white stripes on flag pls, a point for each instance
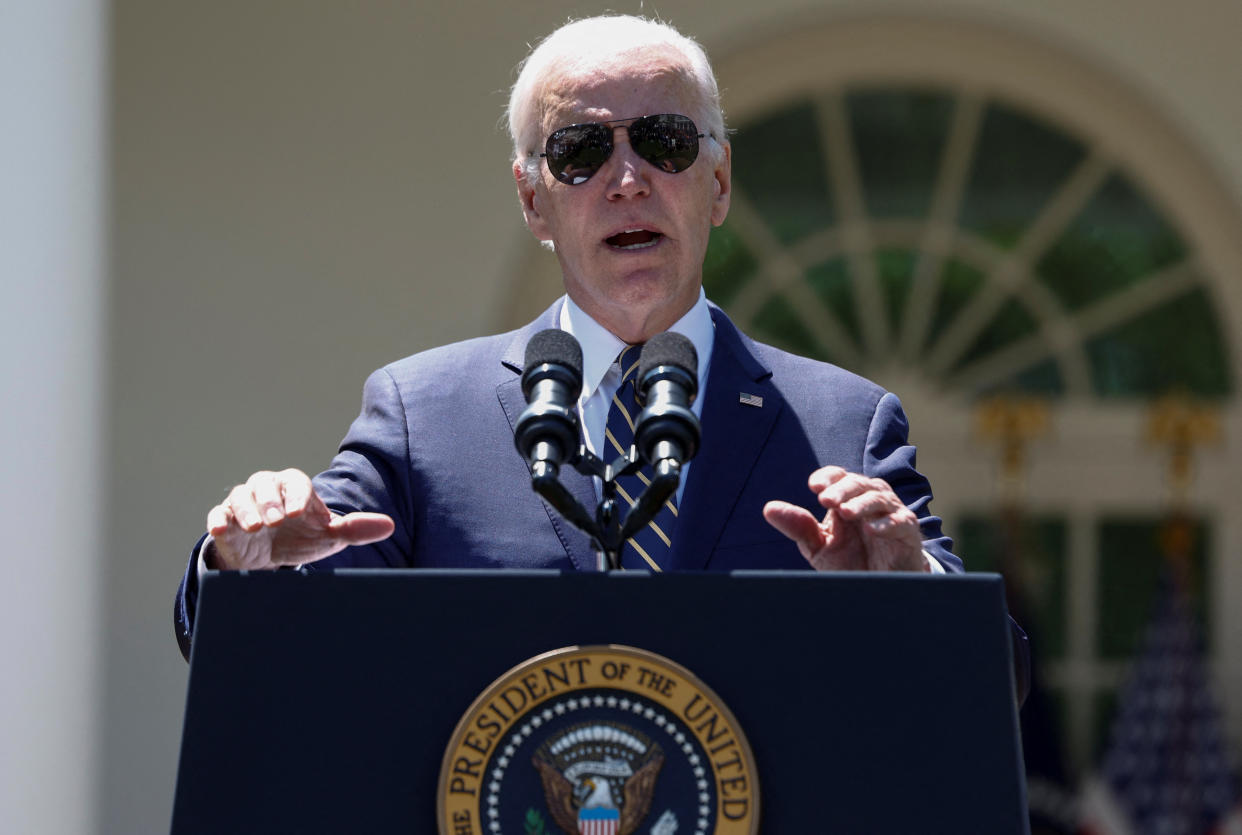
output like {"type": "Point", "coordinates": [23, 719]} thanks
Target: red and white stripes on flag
{"type": "Point", "coordinates": [598, 821]}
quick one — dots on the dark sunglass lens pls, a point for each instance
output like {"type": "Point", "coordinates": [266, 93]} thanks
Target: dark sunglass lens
{"type": "Point", "coordinates": [575, 153]}
{"type": "Point", "coordinates": [668, 141]}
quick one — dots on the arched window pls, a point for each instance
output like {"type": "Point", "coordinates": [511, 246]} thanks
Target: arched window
{"type": "Point", "coordinates": [963, 240]}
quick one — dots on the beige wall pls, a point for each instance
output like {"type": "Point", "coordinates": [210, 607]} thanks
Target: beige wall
{"type": "Point", "coordinates": [303, 191]}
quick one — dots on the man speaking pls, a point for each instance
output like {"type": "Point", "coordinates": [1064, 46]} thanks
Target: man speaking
{"type": "Point", "coordinates": [622, 165]}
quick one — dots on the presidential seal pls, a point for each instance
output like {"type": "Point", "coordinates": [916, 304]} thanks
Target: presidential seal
{"type": "Point", "coordinates": [598, 740]}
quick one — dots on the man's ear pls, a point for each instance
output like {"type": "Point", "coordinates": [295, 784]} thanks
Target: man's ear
{"type": "Point", "coordinates": [723, 184]}
{"type": "Point", "coordinates": [530, 200]}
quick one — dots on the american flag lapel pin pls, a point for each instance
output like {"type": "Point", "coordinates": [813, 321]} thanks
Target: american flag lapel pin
{"type": "Point", "coordinates": [750, 400]}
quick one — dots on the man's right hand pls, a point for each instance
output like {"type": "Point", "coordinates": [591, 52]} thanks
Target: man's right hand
{"type": "Point", "coordinates": [277, 519]}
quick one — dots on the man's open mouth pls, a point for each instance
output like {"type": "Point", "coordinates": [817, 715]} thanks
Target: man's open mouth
{"type": "Point", "coordinates": [634, 239]}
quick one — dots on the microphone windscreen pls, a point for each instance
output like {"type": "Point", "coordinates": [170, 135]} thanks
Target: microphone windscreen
{"type": "Point", "coordinates": [669, 348]}
{"type": "Point", "coordinates": [555, 346]}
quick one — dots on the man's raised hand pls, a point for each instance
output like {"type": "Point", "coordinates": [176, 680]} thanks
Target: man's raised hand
{"type": "Point", "coordinates": [866, 527]}
{"type": "Point", "coordinates": [277, 519]}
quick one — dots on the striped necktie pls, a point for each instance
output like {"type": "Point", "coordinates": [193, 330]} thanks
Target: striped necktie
{"type": "Point", "coordinates": [649, 547]}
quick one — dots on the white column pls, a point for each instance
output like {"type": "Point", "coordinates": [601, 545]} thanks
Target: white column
{"type": "Point", "coordinates": [52, 267]}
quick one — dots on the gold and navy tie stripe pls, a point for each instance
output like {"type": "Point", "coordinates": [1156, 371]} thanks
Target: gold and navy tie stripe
{"type": "Point", "coordinates": [649, 547]}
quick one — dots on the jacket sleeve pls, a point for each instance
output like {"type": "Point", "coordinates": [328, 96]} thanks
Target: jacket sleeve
{"type": "Point", "coordinates": [890, 455]}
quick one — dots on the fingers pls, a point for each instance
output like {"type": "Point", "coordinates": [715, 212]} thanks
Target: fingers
{"type": "Point", "coordinates": [361, 528]}
{"type": "Point", "coordinates": [266, 498]}
{"type": "Point", "coordinates": [866, 526]}
{"type": "Point", "coordinates": [797, 523]}
{"type": "Point", "coordinates": [299, 494]}
{"type": "Point", "coordinates": [854, 496]}
{"type": "Point", "coordinates": [282, 495]}
{"type": "Point", "coordinates": [824, 477]}
{"type": "Point", "coordinates": [269, 499]}
{"type": "Point", "coordinates": [219, 518]}
{"type": "Point", "coordinates": [871, 504]}
{"type": "Point", "coordinates": [897, 524]}
{"type": "Point", "coordinates": [894, 543]}
{"type": "Point", "coordinates": [241, 506]}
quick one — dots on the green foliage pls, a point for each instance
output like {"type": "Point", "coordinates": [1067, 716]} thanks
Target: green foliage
{"type": "Point", "coordinates": [535, 824]}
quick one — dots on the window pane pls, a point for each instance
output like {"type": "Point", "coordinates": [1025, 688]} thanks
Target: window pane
{"type": "Point", "coordinates": [1116, 241]}
{"type": "Point", "coordinates": [1011, 322]}
{"type": "Point", "coordinates": [959, 282]}
{"type": "Point", "coordinates": [899, 138]}
{"type": "Point", "coordinates": [1031, 554]}
{"type": "Point", "coordinates": [780, 166]}
{"type": "Point", "coordinates": [1131, 566]}
{"type": "Point", "coordinates": [779, 324]}
{"type": "Point", "coordinates": [895, 270]}
{"type": "Point", "coordinates": [1019, 164]}
{"type": "Point", "coordinates": [831, 282]}
{"type": "Point", "coordinates": [727, 267]}
{"type": "Point", "coordinates": [1177, 347]}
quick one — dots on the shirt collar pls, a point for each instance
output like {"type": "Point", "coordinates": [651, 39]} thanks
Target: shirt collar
{"type": "Point", "coordinates": [600, 346]}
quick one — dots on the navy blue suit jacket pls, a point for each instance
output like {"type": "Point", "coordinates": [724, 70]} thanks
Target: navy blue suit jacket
{"type": "Point", "coordinates": [433, 448]}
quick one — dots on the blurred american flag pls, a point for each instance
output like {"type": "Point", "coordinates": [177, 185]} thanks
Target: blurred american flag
{"type": "Point", "coordinates": [1167, 769]}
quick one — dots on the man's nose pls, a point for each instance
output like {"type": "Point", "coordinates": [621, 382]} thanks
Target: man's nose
{"type": "Point", "coordinates": [628, 173]}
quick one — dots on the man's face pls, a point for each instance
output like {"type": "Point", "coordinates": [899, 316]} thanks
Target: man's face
{"type": "Point", "coordinates": [631, 239]}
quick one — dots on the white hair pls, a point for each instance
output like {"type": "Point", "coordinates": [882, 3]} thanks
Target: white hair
{"type": "Point", "coordinates": [588, 42]}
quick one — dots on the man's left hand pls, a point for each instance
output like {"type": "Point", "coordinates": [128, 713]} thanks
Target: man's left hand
{"type": "Point", "coordinates": [866, 526]}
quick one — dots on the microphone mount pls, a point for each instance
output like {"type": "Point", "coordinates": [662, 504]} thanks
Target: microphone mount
{"type": "Point", "coordinates": [666, 434]}
{"type": "Point", "coordinates": [610, 529]}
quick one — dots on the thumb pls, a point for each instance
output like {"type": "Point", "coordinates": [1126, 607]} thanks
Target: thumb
{"type": "Point", "coordinates": [361, 528]}
{"type": "Point", "coordinates": [797, 523]}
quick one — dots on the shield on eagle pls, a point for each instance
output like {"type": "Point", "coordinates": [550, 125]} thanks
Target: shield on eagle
{"type": "Point", "coordinates": [598, 820]}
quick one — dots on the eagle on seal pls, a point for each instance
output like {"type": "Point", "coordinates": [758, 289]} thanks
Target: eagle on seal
{"type": "Point", "coordinates": [587, 806]}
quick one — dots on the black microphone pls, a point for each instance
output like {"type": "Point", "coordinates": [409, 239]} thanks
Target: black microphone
{"type": "Point", "coordinates": [668, 380]}
{"type": "Point", "coordinates": [547, 430]}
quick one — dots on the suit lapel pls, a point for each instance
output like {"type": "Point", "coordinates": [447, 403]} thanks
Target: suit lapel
{"type": "Point", "coordinates": [734, 433]}
{"type": "Point", "coordinates": [577, 545]}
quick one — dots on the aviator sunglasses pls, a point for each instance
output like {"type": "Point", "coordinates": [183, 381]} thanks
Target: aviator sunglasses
{"type": "Point", "coordinates": [668, 141]}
